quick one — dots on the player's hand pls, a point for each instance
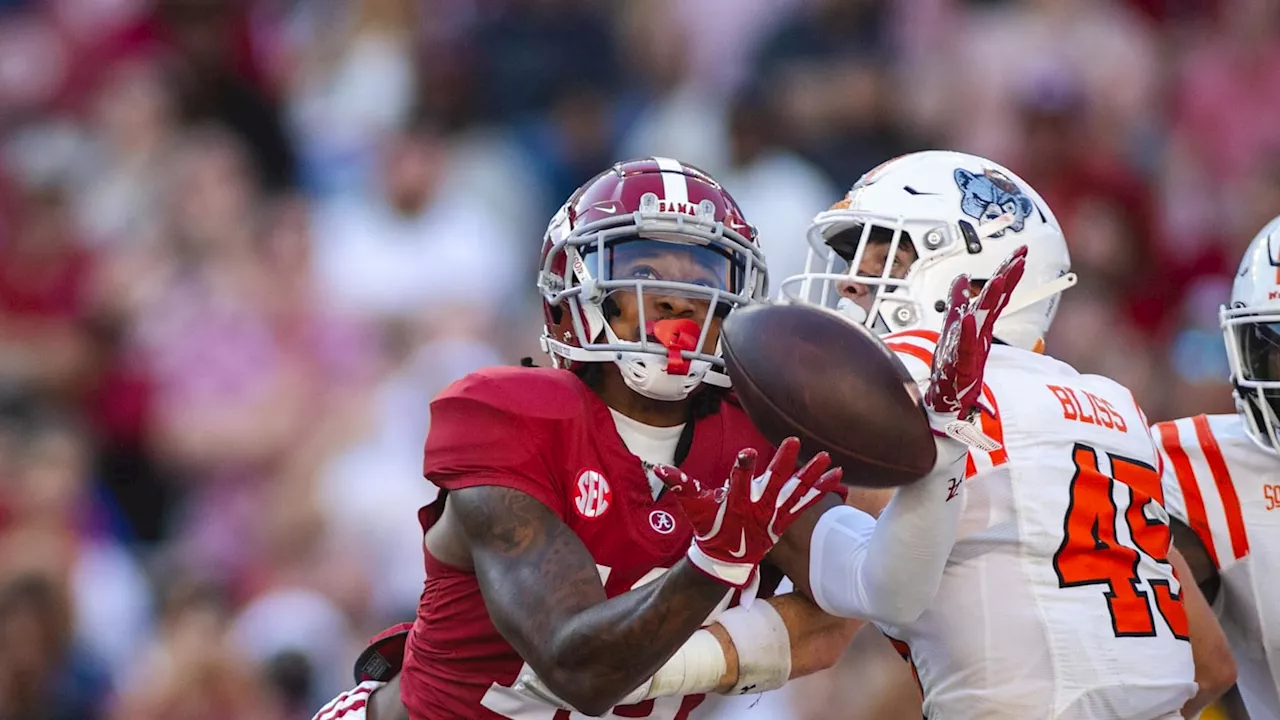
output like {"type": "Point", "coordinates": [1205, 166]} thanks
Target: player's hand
{"type": "Point", "coordinates": [737, 522]}
{"type": "Point", "coordinates": [959, 362]}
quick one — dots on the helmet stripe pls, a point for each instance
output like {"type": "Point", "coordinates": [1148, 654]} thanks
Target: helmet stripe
{"type": "Point", "coordinates": [675, 186]}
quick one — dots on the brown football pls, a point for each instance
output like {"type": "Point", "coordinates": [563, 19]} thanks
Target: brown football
{"type": "Point", "coordinates": [815, 374]}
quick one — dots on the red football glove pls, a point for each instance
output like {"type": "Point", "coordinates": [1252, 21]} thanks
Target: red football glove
{"type": "Point", "coordinates": [738, 522]}
{"type": "Point", "coordinates": [959, 362]}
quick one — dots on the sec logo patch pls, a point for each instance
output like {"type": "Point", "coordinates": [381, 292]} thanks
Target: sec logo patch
{"type": "Point", "coordinates": [592, 494]}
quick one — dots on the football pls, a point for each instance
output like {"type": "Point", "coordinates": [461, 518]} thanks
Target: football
{"type": "Point", "coordinates": [815, 374]}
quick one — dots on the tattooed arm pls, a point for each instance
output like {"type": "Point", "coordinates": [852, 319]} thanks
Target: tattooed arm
{"type": "Point", "coordinates": [544, 594]}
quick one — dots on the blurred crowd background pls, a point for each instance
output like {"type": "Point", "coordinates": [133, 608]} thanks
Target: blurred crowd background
{"type": "Point", "coordinates": [242, 245]}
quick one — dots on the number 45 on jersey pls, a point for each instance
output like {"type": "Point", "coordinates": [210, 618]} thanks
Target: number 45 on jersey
{"type": "Point", "coordinates": [1092, 554]}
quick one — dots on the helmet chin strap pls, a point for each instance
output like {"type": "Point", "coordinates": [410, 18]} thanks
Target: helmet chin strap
{"type": "Point", "coordinates": [671, 378]}
{"type": "Point", "coordinates": [647, 375]}
{"type": "Point", "coordinates": [1266, 429]}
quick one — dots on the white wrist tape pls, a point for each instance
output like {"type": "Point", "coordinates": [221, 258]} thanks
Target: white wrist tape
{"type": "Point", "coordinates": [763, 645]}
{"type": "Point", "coordinates": [695, 668]}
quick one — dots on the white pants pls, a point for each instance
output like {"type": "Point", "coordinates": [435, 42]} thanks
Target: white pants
{"type": "Point", "coordinates": [351, 704]}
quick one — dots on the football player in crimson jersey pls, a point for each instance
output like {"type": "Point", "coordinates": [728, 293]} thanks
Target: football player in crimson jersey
{"type": "Point", "coordinates": [556, 547]}
{"type": "Point", "coordinates": [585, 531]}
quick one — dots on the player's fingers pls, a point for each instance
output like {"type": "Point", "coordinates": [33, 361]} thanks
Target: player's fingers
{"type": "Point", "coordinates": [813, 469]}
{"type": "Point", "coordinates": [1017, 257]}
{"type": "Point", "coordinates": [992, 294]}
{"type": "Point", "coordinates": [957, 305]}
{"type": "Point", "coordinates": [1012, 266]}
{"type": "Point", "coordinates": [812, 493]}
{"type": "Point", "coordinates": [992, 300]}
{"type": "Point", "coordinates": [829, 481]}
{"type": "Point", "coordinates": [744, 468]}
{"type": "Point", "coordinates": [944, 352]}
{"type": "Point", "coordinates": [1008, 275]}
{"type": "Point", "coordinates": [959, 291]}
{"type": "Point", "coordinates": [783, 464]}
{"type": "Point", "coordinates": [1006, 295]}
{"type": "Point", "coordinates": [996, 296]}
{"type": "Point", "coordinates": [967, 366]}
{"type": "Point", "coordinates": [974, 340]}
{"type": "Point", "coordinates": [803, 481]}
{"type": "Point", "coordinates": [1016, 260]}
{"type": "Point", "coordinates": [676, 480]}
{"type": "Point", "coordinates": [974, 347]}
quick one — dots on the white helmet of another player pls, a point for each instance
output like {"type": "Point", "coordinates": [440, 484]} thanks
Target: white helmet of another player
{"type": "Point", "coordinates": [1251, 329]}
{"type": "Point", "coordinates": [952, 214]}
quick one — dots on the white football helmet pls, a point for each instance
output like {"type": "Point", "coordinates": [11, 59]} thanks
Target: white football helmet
{"type": "Point", "coordinates": [960, 214]}
{"type": "Point", "coordinates": [1251, 329]}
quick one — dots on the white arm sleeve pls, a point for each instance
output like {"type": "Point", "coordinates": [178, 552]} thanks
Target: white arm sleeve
{"type": "Point", "coordinates": [889, 570]}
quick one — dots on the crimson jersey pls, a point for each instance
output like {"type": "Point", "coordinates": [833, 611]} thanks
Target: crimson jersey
{"type": "Point", "coordinates": [545, 433]}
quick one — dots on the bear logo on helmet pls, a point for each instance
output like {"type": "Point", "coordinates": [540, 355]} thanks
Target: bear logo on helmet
{"type": "Point", "coordinates": [987, 196]}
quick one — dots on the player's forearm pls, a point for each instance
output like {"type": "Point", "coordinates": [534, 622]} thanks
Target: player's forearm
{"type": "Point", "coordinates": [1215, 666]}
{"type": "Point", "coordinates": [888, 570]}
{"type": "Point", "coordinates": [748, 650]}
{"type": "Point", "coordinates": [601, 653]}
{"type": "Point", "coordinates": [761, 647]}
{"type": "Point", "coordinates": [543, 592]}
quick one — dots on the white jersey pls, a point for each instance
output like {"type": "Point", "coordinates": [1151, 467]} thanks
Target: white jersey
{"type": "Point", "coordinates": [1227, 489]}
{"type": "Point", "coordinates": [1057, 600]}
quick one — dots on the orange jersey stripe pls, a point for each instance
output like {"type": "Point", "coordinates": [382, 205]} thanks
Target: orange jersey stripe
{"type": "Point", "coordinates": [994, 429]}
{"type": "Point", "coordinates": [914, 351]}
{"type": "Point", "coordinates": [1191, 497]}
{"type": "Point", "coordinates": [1226, 489]}
{"type": "Point", "coordinates": [930, 335]}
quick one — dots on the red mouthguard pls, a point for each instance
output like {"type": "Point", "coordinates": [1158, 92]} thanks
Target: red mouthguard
{"type": "Point", "coordinates": [677, 335]}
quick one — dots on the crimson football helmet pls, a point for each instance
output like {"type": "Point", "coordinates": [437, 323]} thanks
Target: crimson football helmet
{"type": "Point", "coordinates": [634, 210]}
